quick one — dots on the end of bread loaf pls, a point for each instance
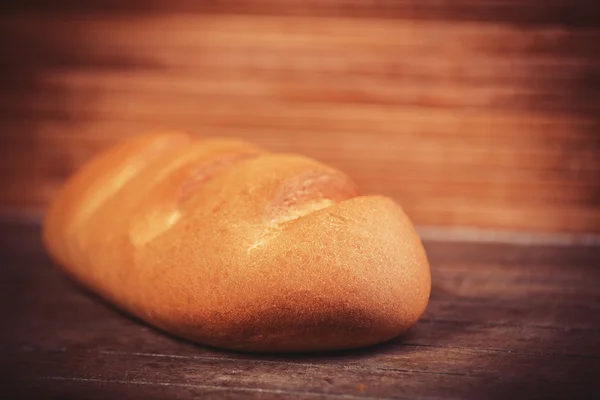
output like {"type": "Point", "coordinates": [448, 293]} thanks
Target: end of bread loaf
{"type": "Point", "coordinates": [223, 243]}
{"type": "Point", "coordinates": [362, 278]}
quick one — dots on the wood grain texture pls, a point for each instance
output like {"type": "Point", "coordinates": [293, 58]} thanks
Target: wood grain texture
{"type": "Point", "coordinates": [504, 321]}
{"type": "Point", "coordinates": [467, 113]}
{"type": "Point", "coordinates": [564, 12]}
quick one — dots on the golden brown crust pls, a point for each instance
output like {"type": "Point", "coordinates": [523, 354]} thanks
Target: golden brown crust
{"type": "Point", "coordinates": [223, 243]}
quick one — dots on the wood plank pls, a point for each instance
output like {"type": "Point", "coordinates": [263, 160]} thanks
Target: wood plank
{"type": "Point", "coordinates": [417, 138]}
{"type": "Point", "coordinates": [465, 125]}
{"type": "Point", "coordinates": [203, 90]}
{"type": "Point", "coordinates": [477, 364]}
{"type": "Point", "coordinates": [309, 35]}
{"type": "Point", "coordinates": [307, 377]}
{"type": "Point", "coordinates": [469, 53]}
{"type": "Point", "coordinates": [100, 389]}
{"type": "Point", "coordinates": [432, 153]}
{"type": "Point", "coordinates": [576, 13]}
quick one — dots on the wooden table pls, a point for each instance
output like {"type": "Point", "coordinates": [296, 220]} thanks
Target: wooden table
{"type": "Point", "coordinates": [504, 321]}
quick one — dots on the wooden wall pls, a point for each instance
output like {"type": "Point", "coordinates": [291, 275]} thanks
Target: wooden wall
{"type": "Point", "coordinates": [469, 113]}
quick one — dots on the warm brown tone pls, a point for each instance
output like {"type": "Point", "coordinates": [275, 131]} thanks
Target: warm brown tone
{"type": "Point", "coordinates": [480, 113]}
{"type": "Point", "coordinates": [222, 243]}
{"type": "Point", "coordinates": [504, 322]}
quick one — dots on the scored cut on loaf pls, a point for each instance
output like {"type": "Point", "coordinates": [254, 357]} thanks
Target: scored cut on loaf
{"type": "Point", "coordinates": [221, 242]}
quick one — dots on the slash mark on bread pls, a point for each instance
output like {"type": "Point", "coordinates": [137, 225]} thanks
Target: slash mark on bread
{"type": "Point", "coordinates": [301, 196]}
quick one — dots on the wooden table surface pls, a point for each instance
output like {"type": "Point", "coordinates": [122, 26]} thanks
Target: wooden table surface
{"type": "Point", "coordinates": [504, 321]}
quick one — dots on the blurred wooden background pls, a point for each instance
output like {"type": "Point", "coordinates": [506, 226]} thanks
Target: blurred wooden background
{"type": "Point", "coordinates": [469, 113]}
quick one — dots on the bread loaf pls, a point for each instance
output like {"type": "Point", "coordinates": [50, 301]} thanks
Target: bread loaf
{"type": "Point", "coordinates": [220, 242]}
